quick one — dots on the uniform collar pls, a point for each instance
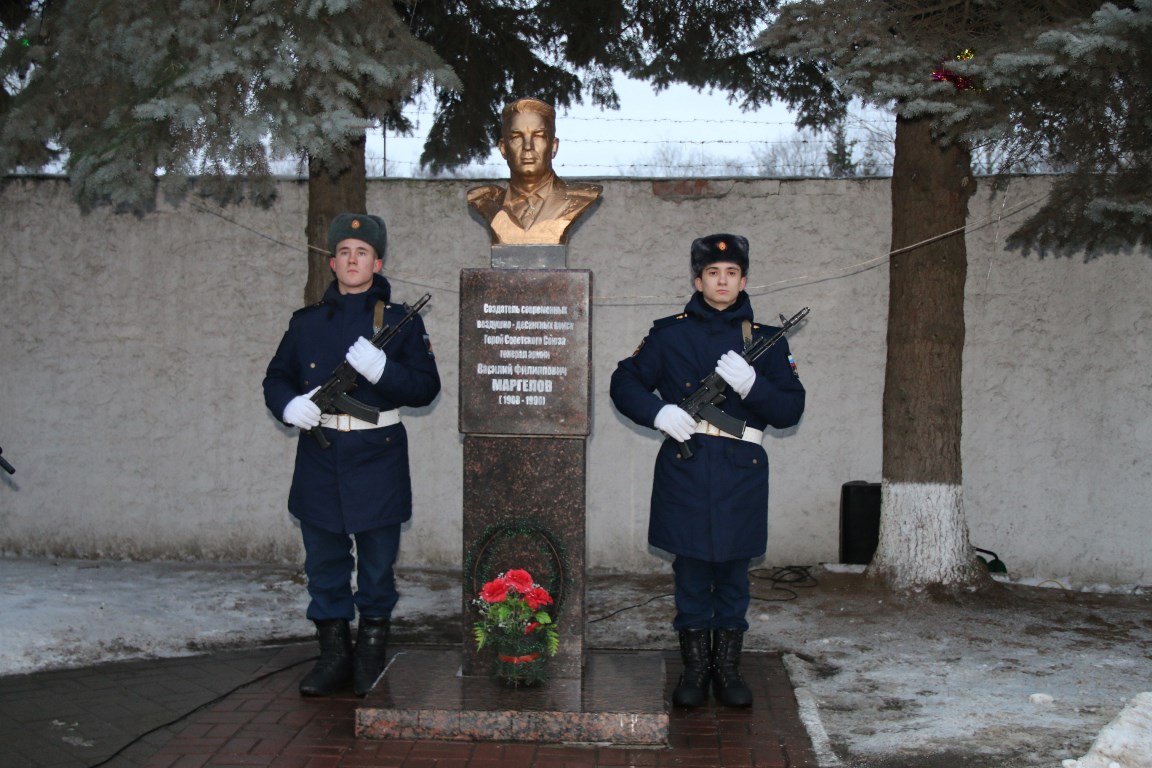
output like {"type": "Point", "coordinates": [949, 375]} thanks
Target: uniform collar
{"type": "Point", "coordinates": [380, 290]}
{"type": "Point", "coordinates": [738, 312]}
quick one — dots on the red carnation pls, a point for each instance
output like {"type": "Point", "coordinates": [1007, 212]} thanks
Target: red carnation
{"type": "Point", "coordinates": [519, 580]}
{"type": "Point", "coordinates": [532, 627]}
{"type": "Point", "coordinates": [494, 591]}
{"type": "Point", "coordinates": [536, 597]}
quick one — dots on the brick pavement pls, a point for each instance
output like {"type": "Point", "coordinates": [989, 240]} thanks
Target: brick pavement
{"type": "Point", "coordinates": [79, 718]}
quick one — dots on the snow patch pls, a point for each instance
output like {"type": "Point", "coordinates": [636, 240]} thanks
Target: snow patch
{"type": "Point", "coordinates": [1126, 742]}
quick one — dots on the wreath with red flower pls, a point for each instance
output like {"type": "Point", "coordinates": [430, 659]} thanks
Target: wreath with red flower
{"type": "Point", "coordinates": [515, 608]}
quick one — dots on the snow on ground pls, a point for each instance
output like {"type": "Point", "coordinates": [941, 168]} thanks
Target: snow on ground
{"type": "Point", "coordinates": [1030, 677]}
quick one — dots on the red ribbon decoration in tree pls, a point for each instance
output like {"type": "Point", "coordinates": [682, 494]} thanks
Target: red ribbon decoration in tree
{"type": "Point", "coordinates": [962, 82]}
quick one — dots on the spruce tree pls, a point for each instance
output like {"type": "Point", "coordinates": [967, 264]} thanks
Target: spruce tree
{"type": "Point", "coordinates": [839, 155]}
{"type": "Point", "coordinates": [135, 96]}
{"type": "Point", "coordinates": [956, 73]}
{"type": "Point", "coordinates": [132, 96]}
{"type": "Point", "coordinates": [1080, 96]}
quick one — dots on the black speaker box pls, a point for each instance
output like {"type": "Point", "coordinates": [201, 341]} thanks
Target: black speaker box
{"type": "Point", "coordinates": [859, 521]}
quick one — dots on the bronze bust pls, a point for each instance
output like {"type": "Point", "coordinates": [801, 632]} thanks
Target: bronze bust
{"type": "Point", "coordinates": [537, 207]}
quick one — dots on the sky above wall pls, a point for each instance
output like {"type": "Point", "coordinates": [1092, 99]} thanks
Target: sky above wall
{"type": "Point", "coordinates": [678, 122]}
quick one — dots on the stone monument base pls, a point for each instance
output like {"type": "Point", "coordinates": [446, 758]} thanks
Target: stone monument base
{"type": "Point", "coordinates": [423, 695]}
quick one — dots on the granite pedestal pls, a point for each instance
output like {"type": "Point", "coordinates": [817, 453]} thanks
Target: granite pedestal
{"type": "Point", "coordinates": [424, 695]}
{"type": "Point", "coordinates": [525, 385]}
{"type": "Point", "coordinates": [524, 411]}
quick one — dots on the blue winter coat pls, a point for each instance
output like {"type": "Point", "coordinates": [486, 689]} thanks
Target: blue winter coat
{"type": "Point", "coordinates": [713, 506]}
{"type": "Point", "coordinates": [362, 481]}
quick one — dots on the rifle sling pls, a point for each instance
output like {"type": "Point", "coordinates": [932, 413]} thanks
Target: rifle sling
{"type": "Point", "coordinates": [378, 318]}
{"type": "Point", "coordinates": [713, 413]}
{"type": "Point", "coordinates": [345, 402]}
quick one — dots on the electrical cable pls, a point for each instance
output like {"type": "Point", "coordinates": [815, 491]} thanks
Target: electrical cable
{"type": "Point", "coordinates": [795, 576]}
{"type": "Point", "coordinates": [629, 608]}
{"type": "Point", "coordinates": [196, 709]}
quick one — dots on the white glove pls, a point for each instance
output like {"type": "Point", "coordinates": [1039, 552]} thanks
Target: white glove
{"type": "Point", "coordinates": [735, 370]}
{"type": "Point", "coordinates": [367, 359]}
{"type": "Point", "coordinates": [675, 422]}
{"type": "Point", "coordinates": [302, 412]}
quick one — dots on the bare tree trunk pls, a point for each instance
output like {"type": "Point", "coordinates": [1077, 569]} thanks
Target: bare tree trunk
{"type": "Point", "coordinates": [923, 531]}
{"type": "Point", "coordinates": [330, 194]}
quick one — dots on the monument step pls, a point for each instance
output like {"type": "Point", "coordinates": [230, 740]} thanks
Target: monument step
{"type": "Point", "coordinates": [619, 700]}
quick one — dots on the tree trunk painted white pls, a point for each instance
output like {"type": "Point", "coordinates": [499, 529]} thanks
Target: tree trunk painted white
{"type": "Point", "coordinates": [923, 533]}
{"type": "Point", "coordinates": [924, 538]}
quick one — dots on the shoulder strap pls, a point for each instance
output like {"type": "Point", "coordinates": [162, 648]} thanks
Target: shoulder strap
{"type": "Point", "coordinates": [666, 321]}
{"type": "Point", "coordinates": [308, 308]}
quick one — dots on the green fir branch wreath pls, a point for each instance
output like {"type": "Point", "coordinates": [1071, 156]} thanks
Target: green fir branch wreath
{"type": "Point", "coordinates": [481, 567]}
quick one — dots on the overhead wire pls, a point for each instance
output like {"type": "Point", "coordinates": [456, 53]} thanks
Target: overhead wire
{"type": "Point", "coordinates": [865, 134]}
{"type": "Point", "coordinates": [650, 299]}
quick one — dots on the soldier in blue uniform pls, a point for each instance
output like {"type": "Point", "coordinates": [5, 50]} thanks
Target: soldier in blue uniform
{"type": "Point", "coordinates": [711, 510]}
{"type": "Point", "coordinates": [358, 489]}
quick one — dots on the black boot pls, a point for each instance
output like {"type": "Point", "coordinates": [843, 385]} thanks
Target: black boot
{"type": "Point", "coordinates": [727, 685]}
{"type": "Point", "coordinates": [692, 690]}
{"type": "Point", "coordinates": [371, 644]}
{"type": "Point", "coordinates": [334, 668]}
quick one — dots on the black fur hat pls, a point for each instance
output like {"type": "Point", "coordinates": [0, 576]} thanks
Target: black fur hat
{"type": "Point", "coordinates": [362, 226]}
{"type": "Point", "coordinates": [713, 248]}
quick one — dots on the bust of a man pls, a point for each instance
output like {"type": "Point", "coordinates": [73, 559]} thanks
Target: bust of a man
{"type": "Point", "coordinates": [537, 207]}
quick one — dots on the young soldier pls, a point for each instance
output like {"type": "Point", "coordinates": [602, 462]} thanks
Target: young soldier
{"type": "Point", "coordinates": [358, 489]}
{"type": "Point", "coordinates": [711, 510]}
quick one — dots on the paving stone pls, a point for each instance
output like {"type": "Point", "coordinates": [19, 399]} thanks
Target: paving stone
{"type": "Point", "coordinates": [241, 708]}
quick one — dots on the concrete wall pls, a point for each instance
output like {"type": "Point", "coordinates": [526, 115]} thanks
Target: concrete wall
{"type": "Point", "coordinates": [132, 350]}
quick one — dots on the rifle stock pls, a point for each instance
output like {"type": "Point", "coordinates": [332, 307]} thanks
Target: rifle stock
{"type": "Point", "coordinates": [332, 396]}
{"type": "Point", "coordinates": [703, 403]}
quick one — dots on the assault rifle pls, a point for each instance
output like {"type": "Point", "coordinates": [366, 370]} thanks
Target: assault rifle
{"type": "Point", "coordinates": [333, 394]}
{"type": "Point", "coordinates": [5, 465]}
{"type": "Point", "coordinates": [703, 403]}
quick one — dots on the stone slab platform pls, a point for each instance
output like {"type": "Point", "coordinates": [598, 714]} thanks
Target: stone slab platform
{"type": "Point", "coordinates": [422, 695]}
